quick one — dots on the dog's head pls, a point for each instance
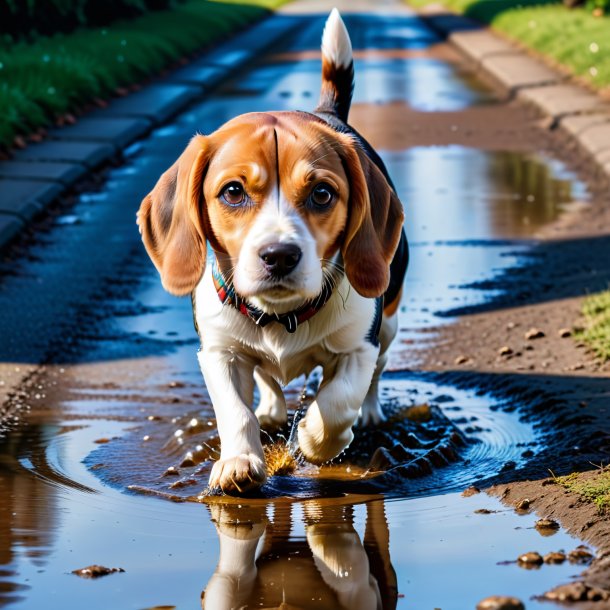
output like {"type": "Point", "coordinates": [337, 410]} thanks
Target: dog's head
{"type": "Point", "coordinates": [278, 196]}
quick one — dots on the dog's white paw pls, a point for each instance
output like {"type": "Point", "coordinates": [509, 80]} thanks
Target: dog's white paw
{"type": "Point", "coordinates": [371, 413]}
{"type": "Point", "coordinates": [317, 443]}
{"type": "Point", "coordinates": [239, 474]}
{"type": "Point", "coordinates": [271, 418]}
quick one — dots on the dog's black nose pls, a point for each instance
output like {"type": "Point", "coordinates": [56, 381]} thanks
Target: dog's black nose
{"type": "Point", "coordinates": [280, 259]}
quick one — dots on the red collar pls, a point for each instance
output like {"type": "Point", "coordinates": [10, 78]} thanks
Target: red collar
{"type": "Point", "coordinates": [290, 320]}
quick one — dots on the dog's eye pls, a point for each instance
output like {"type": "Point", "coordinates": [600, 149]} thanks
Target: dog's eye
{"type": "Point", "coordinates": [233, 193]}
{"type": "Point", "coordinates": [322, 195]}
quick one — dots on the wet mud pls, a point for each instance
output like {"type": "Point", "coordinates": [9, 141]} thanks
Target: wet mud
{"type": "Point", "coordinates": [117, 420]}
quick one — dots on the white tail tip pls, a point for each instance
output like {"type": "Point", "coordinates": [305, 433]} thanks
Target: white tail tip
{"type": "Point", "coordinates": [336, 45]}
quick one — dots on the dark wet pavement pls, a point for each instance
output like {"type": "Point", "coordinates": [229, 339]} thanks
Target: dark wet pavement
{"type": "Point", "coordinates": [120, 379]}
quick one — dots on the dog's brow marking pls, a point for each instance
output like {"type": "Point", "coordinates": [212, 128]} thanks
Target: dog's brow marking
{"type": "Point", "coordinates": [277, 166]}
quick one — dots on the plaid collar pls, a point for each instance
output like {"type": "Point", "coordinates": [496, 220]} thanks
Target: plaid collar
{"type": "Point", "coordinates": [290, 320]}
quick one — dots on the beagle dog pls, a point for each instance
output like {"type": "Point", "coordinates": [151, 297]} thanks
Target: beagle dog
{"type": "Point", "coordinates": [308, 257]}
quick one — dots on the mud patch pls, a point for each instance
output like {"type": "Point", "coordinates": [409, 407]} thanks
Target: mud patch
{"type": "Point", "coordinates": [436, 439]}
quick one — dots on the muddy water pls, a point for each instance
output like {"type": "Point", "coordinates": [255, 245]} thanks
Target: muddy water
{"type": "Point", "coordinates": [121, 400]}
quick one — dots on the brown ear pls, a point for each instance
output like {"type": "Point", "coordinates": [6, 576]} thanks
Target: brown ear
{"type": "Point", "coordinates": [170, 220]}
{"type": "Point", "coordinates": [374, 224]}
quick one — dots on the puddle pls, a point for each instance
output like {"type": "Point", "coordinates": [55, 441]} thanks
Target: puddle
{"type": "Point", "coordinates": [311, 553]}
{"type": "Point", "coordinates": [343, 540]}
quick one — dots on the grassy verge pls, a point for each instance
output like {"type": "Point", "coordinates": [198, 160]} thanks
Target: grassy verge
{"type": "Point", "coordinates": [596, 334]}
{"type": "Point", "coordinates": [574, 39]}
{"type": "Point", "coordinates": [52, 76]}
{"type": "Point", "coordinates": [593, 488]}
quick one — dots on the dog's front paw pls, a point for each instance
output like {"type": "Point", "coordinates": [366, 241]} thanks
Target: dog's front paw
{"type": "Point", "coordinates": [317, 442]}
{"type": "Point", "coordinates": [239, 474]}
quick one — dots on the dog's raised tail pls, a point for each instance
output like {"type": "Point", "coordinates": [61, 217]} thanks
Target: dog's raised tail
{"type": "Point", "coordinates": [337, 68]}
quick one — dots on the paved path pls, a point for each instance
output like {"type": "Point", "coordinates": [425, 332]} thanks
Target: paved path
{"type": "Point", "coordinates": [42, 172]}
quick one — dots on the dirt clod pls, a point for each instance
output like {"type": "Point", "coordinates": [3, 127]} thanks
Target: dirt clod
{"type": "Point", "coordinates": [462, 359]}
{"type": "Point", "coordinates": [544, 525]}
{"type": "Point", "coordinates": [554, 557]}
{"type": "Point", "coordinates": [471, 491]}
{"type": "Point", "coordinates": [95, 571]}
{"type": "Point", "coordinates": [505, 351]}
{"type": "Point", "coordinates": [564, 333]}
{"type": "Point", "coordinates": [523, 504]}
{"type": "Point", "coordinates": [530, 559]}
{"type": "Point", "coordinates": [534, 333]}
{"type": "Point", "coordinates": [500, 602]}
{"type": "Point", "coordinates": [580, 555]}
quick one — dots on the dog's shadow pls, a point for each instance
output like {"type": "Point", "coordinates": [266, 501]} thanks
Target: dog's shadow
{"type": "Point", "coordinates": [267, 561]}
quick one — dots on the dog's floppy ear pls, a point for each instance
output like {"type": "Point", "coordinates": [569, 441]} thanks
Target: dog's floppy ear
{"type": "Point", "coordinates": [170, 220]}
{"type": "Point", "coordinates": [374, 224]}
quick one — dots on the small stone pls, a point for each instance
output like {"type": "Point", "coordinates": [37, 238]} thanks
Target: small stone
{"type": "Point", "coordinates": [554, 557]}
{"type": "Point", "coordinates": [462, 359]}
{"type": "Point", "coordinates": [534, 333]}
{"type": "Point", "coordinates": [530, 559]}
{"type": "Point", "coordinates": [172, 471]}
{"type": "Point", "coordinates": [500, 602]}
{"type": "Point", "coordinates": [471, 491]}
{"type": "Point", "coordinates": [153, 418]}
{"type": "Point", "coordinates": [188, 460]}
{"type": "Point", "coordinates": [101, 441]}
{"type": "Point", "coordinates": [505, 351]}
{"type": "Point", "coordinates": [510, 465]}
{"type": "Point", "coordinates": [95, 571]}
{"type": "Point", "coordinates": [547, 524]}
{"type": "Point", "coordinates": [564, 333]}
{"type": "Point", "coordinates": [523, 504]}
{"type": "Point", "coordinates": [580, 555]}
{"type": "Point", "coordinates": [484, 511]}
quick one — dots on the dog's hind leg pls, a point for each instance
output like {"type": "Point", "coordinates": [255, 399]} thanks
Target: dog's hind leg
{"type": "Point", "coordinates": [271, 411]}
{"type": "Point", "coordinates": [371, 412]}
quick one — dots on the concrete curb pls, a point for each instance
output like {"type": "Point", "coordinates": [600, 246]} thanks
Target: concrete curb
{"type": "Point", "coordinates": [40, 173]}
{"type": "Point", "coordinates": [580, 114]}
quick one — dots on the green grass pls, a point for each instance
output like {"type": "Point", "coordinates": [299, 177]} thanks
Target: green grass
{"type": "Point", "coordinates": [596, 333]}
{"type": "Point", "coordinates": [572, 38]}
{"type": "Point", "coordinates": [592, 488]}
{"type": "Point", "coordinates": [55, 75]}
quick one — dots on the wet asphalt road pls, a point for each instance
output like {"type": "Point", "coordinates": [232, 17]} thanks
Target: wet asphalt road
{"type": "Point", "coordinates": [113, 376]}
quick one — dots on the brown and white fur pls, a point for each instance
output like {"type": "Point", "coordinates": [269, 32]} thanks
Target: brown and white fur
{"type": "Point", "coordinates": [288, 202]}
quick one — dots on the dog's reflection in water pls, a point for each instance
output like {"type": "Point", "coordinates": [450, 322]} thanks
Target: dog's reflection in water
{"type": "Point", "coordinates": [263, 564]}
